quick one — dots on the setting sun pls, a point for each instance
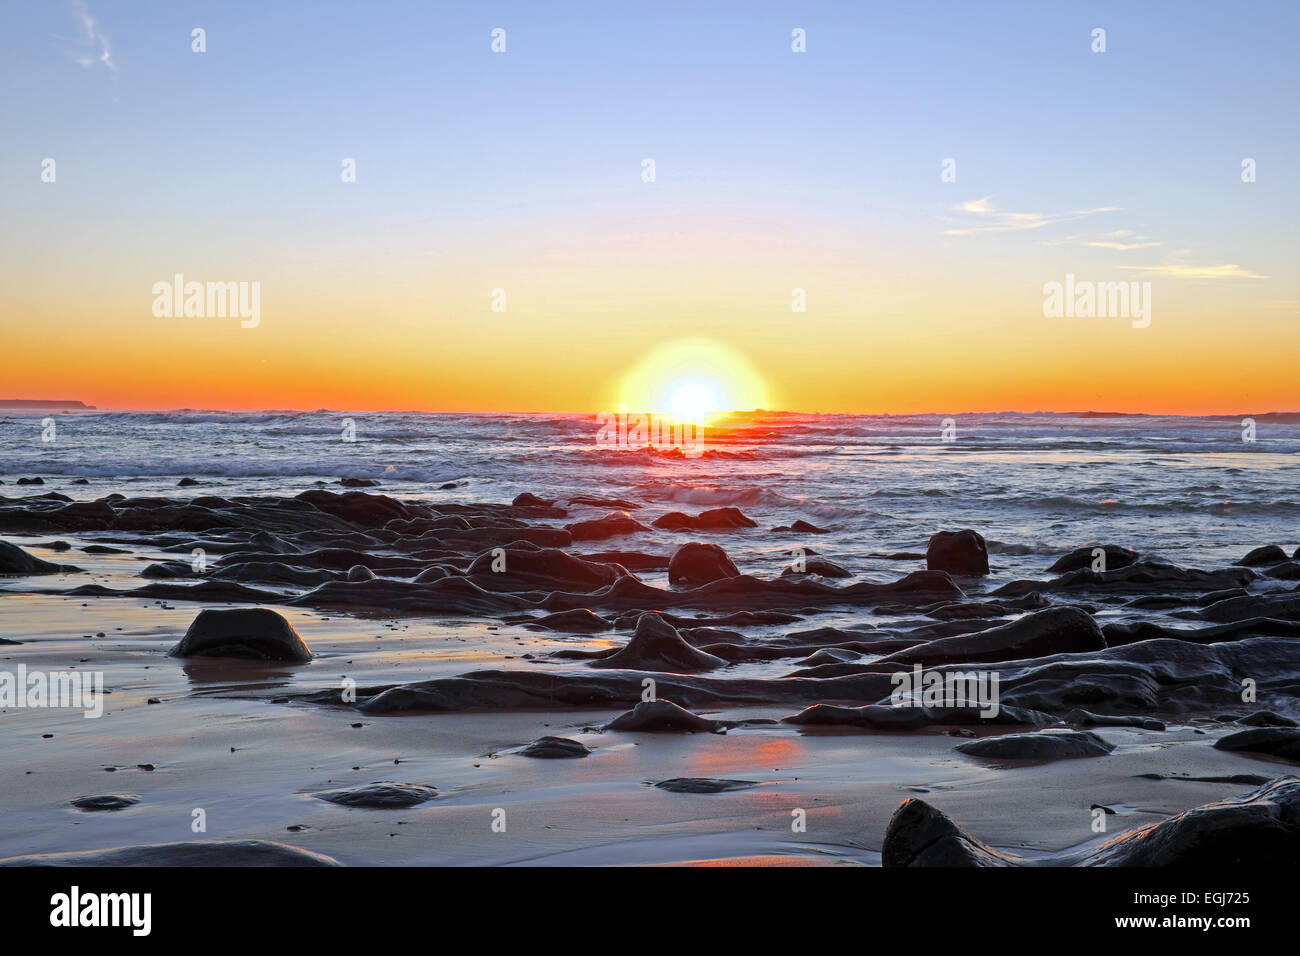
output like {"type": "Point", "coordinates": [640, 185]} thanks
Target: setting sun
{"type": "Point", "coordinates": [693, 402]}
{"type": "Point", "coordinates": [693, 379]}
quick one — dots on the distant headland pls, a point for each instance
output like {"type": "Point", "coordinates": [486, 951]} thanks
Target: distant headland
{"type": "Point", "coordinates": [45, 404]}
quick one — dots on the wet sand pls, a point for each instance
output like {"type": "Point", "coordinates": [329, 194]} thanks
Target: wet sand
{"type": "Point", "coordinates": [220, 741]}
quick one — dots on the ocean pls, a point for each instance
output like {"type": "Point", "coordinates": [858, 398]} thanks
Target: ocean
{"type": "Point", "coordinates": [1188, 490]}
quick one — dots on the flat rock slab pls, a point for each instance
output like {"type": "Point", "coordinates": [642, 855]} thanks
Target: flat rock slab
{"type": "Point", "coordinates": [383, 795]}
{"type": "Point", "coordinates": [1084, 718]}
{"type": "Point", "coordinates": [108, 801]}
{"type": "Point", "coordinates": [1044, 746]}
{"type": "Point", "coordinates": [1283, 742]}
{"type": "Point", "coordinates": [553, 748]}
{"type": "Point", "coordinates": [704, 785]}
{"type": "Point", "coordinates": [200, 853]}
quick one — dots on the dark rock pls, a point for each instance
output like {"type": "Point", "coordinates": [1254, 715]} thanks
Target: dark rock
{"type": "Point", "coordinates": [1268, 554]}
{"type": "Point", "coordinates": [696, 563]}
{"type": "Point", "coordinates": [111, 801]}
{"type": "Point", "coordinates": [257, 633]}
{"type": "Point", "coordinates": [1083, 718]}
{"type": "Point", "coordinates": [1266, 718]}
{"type": "Point", "coordinates": [357, 507]}
{"type": "Point", "coordinates": [610, 526]}
{"type": "Point", "coordinates": [553, 748]}
{"type": "Point", "coordinates": [1260, 830]}
{"type": "Point", "coordinates": [816, 565]}
{"type": "Point", "coordinates": [704, 785]}
{"type": "Point", "coordinates": [358, 483]}
{"type": "Point", "coordinates": [233, 853]}
{"type": "Point", "coordinates": [530, 500]}
{"type": "Point", "coordinates": [1140, 576]}
{"type": "Point", "coordinates": [435, 573]}
{"type": "Point", "coordinates": [662, 716]}
{"type": "Point", "coordinates": [1116, 557]}
{"type": "Point", "coordinates": [957, 552]}
{"type": "Point", "coordinates": [166, 570]}
{"type": "Point", "coordinates": [716, 519]}
{"type": "Point", "coordinates": [14, 560]}
{"type": "Point", "coordinates": [1286, 571]}
{"type": "Point", "coordinates": [577, 621]}
{"type": "Point", "coordinates": [656, 646]}
{"type": "Point", "coordinates": [1053, 630]}
{"type": "Point", "coordinates": [886, 717]}
{"type": "Point", "coordinates": [186, 483]}
{"type": "Point", "coordinates": [1068, 745]}
{"type": "Point", "coordinates": [383, 795]}
{"type": "Point", "coordinates": [1283, 742]}
{"type": "Point", "coordinates": [546, 569]}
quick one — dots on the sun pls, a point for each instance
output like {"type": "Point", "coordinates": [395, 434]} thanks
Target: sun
{"type": "Point", "coordinates": [692, 380]}
{"type": "Point", "coordinates": [693, 402]}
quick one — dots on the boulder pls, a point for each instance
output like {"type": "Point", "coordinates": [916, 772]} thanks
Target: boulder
{"type": "Point", "coordinates": [716, 519]}
{"type": "Point", "coordinates": [612, 525]}
{"type": "Point", "coordinates": [1281, 742]}
{"type": "Point", "coordinates": [957, 552]}
{"type": "Point", "coordinates": [257, 633]}
{"type": "Point", "coordinates": [656, 646]}
{"type": "Point", "coordinates": [663, 716]}
{"type": "Point", "coordinates": [1115, 557]}
{"type": "Point", "coordinates": [696, 563]}
{"type": "Point", "coordinates": [1268, 554]}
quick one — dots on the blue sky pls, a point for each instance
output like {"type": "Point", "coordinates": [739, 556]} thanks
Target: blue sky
{"type": "Point", "coordinates": [1066, 159]}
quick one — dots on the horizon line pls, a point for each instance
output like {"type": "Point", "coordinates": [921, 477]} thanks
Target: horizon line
{"type": "Point", "coordinates": [50, 406]}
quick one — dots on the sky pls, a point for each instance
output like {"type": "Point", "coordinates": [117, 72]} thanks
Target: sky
{"type": "Point", "coordinates": [517, 180]}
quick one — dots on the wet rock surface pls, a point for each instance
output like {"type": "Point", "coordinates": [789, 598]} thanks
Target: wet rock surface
{"type": "Point", "coordinates": [1140, 645]}
{"type": "Point", "coordinates": [203, 853]}
{"type": "Point", "coordinates": [556, 748]}
{"type": "Point", "coordinates": [1052, 745]}
{"type": "Point", "coordinates": [255, 633]}
{"type": "Point", "coordinates": [704, 785]}
{"type": "Point", "coordinates": [1260, 828]}
{"type": "Point", "coordinates": [958, 552]}
{"type": "Point", "coordinates": [383, 795]}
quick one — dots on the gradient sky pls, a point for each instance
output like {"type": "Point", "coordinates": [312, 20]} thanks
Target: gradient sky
{"type": "Point", "coordinates": [775, 171]}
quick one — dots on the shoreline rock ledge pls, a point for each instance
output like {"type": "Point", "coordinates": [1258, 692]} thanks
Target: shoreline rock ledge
{"type": "Point", "coordinates": [1258, 829]}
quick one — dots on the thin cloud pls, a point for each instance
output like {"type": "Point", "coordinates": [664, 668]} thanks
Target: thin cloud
{"type": "Point", "coordinates": [1123, 246]}
{"type": "Point", "coordinates": [1226, 271]}
{"type": "Point", "coordinates": [997, 220]}
{"type": "Point", "coordinates": [94, 45]}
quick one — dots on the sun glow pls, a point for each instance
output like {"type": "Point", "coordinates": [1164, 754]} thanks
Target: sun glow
{"type": "Point", "coordinates": [692, 380]}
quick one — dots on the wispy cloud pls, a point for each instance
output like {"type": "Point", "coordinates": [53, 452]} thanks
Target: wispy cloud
{"type": "Point", "coordinates": [991, 219]}
{"type": "Point", "coordinates": [93, 46]}
{"type": "Point", "coordinates": [1123, 246]}
{"type": "Point", "coordinates": [1226, 271]}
